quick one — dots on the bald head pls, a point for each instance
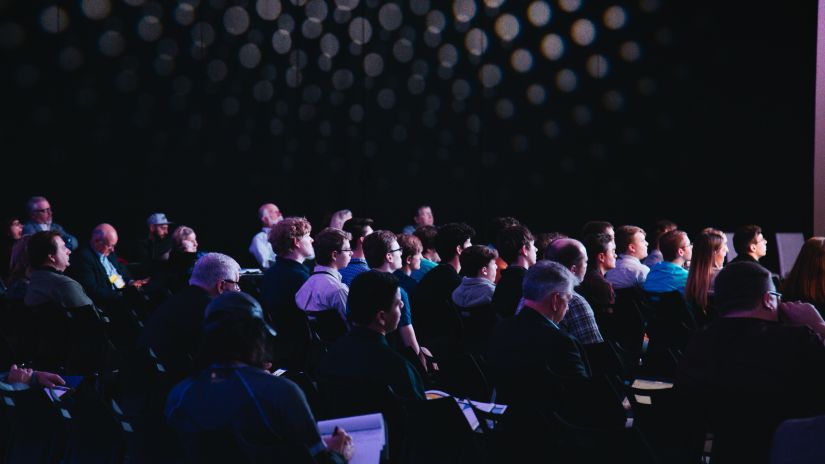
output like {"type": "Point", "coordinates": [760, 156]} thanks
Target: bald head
{"type": "Point", "coordinates": [269, 214]}
{"type": "Point", "coordinates": [570, 253]}
{"type": "Point", "coordinates": [104, 239]}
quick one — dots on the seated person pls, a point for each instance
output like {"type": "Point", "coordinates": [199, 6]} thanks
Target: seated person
{"type": "Point", "coordinates": [631, 246]}
{"type": "Point", "coordinates": [601, 257]}
{"type": "Point", "coordinates": [359, 229]}
{"type": "Point", "coordinates": [478, 265]}
{"type": "Point", "coordinates": [40, 220]}
{"type": "Point", "coordinates": [518, 248]}
{"type": "Point", "coordinates": [19, 270]}
{"type": "Point", "coordinates": [323, 292]}
{"type": "Point", "coordinates": [411, 257]}
{"type": "Point", "coordinates": [152, 252]}
{"type": "Point", "coordinates": [749, 243]}
{"type": "Point", "coordinates": [49, 257]}
{"type": "Point", "coordinates": [260, 248]}
{"type": "Point", "coordinates": [182, 257]}
{"type": "Point", "coordinates": [429, 256]}
{"type": "Point", "coordinates": [670, 274]}
{"type": "Point", "coordinates": [235, 395]}
{"type": "Point", "coordinates": [363, 353]}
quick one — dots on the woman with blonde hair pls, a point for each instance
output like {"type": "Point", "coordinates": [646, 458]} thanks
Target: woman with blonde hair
{"type": "Point", "coordinates": [806, 281]}
{"type": "Point", "coordinates": [709, 251]}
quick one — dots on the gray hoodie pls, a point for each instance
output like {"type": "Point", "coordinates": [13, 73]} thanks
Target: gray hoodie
{"type": "Point", "coordinates": [474, 291]}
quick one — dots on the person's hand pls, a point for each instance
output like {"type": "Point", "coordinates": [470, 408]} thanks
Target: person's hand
{"type": "Point", "coordinates": [341, 443]}
{"type": "Point", "coordinates": [49, 380]}
{"type": "Point", "coordinates": [798, 313]}
{"type": "Point", "coordinates": [17, 375]}
{"type": "Point", "coordinates": [426, 359]}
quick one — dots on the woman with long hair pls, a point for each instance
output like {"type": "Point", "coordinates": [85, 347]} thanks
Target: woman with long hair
{"type": "Point", "coordinates": [709, 251]}
{"type": "Point", "coordinates": [806, 281]}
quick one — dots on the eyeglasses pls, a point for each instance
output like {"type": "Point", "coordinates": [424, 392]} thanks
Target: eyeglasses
{"type": "Point", "coordinates": [689, 245]}
{"type": "Point", "coordinates": [345, 250]}
{"type": "Point", "coordinates": [44, 210]}
{"type": "Point", "coordinates": [397, 249]}
{"type": "Point", "coordinates": [776, 294]}
{"type": "Point", "coordinates": [237, 285]}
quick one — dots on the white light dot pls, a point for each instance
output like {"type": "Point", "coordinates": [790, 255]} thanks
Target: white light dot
{"type": "Point", "coordinates": [268, 9]}
{"type": "Point", "coordinates": [615, 17]}
{"type": "Point", "coordinates": [149, 28]}
{"type": "Point", "coordinates": [311, 28]}
{"type": "Point", "coordinates": [536, 94]}
{"type": "Point", "coordinates": [597, 66]}
{"type": "Point", "coordinates": [329, 45]}
{"type": "Point", "coordinates": [360, 30]}
{"type": "Point", "coordinates": [54, 20]}
{"type": "Point", "coordinates": [552, 47]}
{"type": "Point", "coordinates": [185, 14]}
{"type": "Point", "coordinates": [236, 20]}
{"type": "Point", "coordinates": [202, 35]}
{"type": "Point", "coordinates": [566, 80]}
{"type": "Point", "coordinates": [476, 41]}
{"type": "Point", "coordinates": [317, 9]}
{"type": "Point", "coordinates": [583, 32]}
{"type": "Point", "coordinates": [494, 3]}
{"type": "Point", "coordinates": [507, 27]}
{"type": "Point", "coordinates": [390, 16]}
{"type": "Point", "coordinates": [521, 60]}
{"type": "Point", "coordinates": [346, 5]}
{"type": "Point", "coordinates": [436, 22]}
{"type": "Point", "coordinates": [96, 9]}
{"type": "Point", "coordinates": [281, 41]}
{"type": "Point", "coordinates": [111, 43]}
{"type": "Point", "coordinates": [490, 75]}
{"type": "Point", "coordinates": [570, 5]}
{"type": "Point", "coordinates": [403, 50]}
{"type": "Point", "coordinates": [538, 13]}
{"type": "Point", "coordinates": [249, 55]}
{"type": "Point", "coordinates": [464, 10]}
{"type": "Point", "coordinates": [373, 64]}
{"type": "Point", "coordinates": [630, 51]}
{"type": "Point", "coordinates": [448, 55]}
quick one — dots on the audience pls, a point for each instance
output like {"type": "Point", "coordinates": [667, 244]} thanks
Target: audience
{"type": "Point", "coordinates": [580, 321]}
{"type": "Point", "coordinates": [601, 257]}
{"type": "Point", "coordinates": [40, 219]}
{"type": "Point", "coordinates": [261, 249]}
{"type": "Point", "coordinates": [670, 274]}
{"type": "Point", "coordinates": [632, 248]}
{"type": "Point", "coordinates": [411, 257]}
{"type": "Point", "coordinates": [660, 227]}
{"type": "Point", "coordinates": [49, 258]}
{"type": "Point", "coordinates": [423, 217]}
{"type": "Point", "coordinates": [749, 243]}
{"type": "Point", "coordinates": [598, 227]}
{"type": "Point", "coordinates": [182, 257]}
{"type": "Point", "coordinates": [153, 251]}
{"type": "Point", "coordinates": [429, 255]}
{"type": "Point", "coordinates": [543, 239]}
{"type": "Point", "coordinates": [709, 252]}
{"type": "Point", "coordinates": [359, 229]}
{"type": "Point", "coordinates": [478, 266]}
{"type": "Point", "coordinates": [291, 241]}
{"type": "Point", "coordinates": [806, 281]}
{"type": "Point", "coordinates": [517, 247]}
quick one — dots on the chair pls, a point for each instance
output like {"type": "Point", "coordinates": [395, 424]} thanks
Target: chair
{"type": "Point", "coordinates": [37, 428]}
{"type": "Point", "coordinates": [476, 326]}
{"type": "Point", "coordinates": [628, 319]}
{"type": "Point", "coordinates": [328, 325]}
{"type": "Point", "coordinates": [461, 376]}
{"type": "Point", "coordinates": [67, 340]}
{"type": "Point", "coordinates": [220, 446]}
{"type": "Point", "coordinates": [673, 322]}
{"type": "Point", "coordinates": [94, 433]}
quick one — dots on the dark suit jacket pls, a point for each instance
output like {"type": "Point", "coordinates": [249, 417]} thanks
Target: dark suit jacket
{"type": "Point", "coordinates": [508, 290]}
{"type": "Point", "coordinates": [87, 269]}
{"type": "Point", "coordinates": [174, 329]}
{"type": "Point", "coordinates": [71, 242]}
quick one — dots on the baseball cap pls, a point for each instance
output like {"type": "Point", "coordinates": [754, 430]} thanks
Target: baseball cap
{"type": "Point", "coordinates": [231, 307]}
{"type": "Point", "coordinates": [157, 219]}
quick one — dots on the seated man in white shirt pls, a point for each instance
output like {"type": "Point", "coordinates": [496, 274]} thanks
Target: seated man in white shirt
{"type": "Point", "coordinates": [261, 249]}
{"type": "Point", "coordinates": [632, 248]}
{"type": "Point", "coordinates": [323, 296]}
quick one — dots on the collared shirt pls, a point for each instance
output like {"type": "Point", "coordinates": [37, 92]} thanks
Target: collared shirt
{"type": "Point", "coordinates": [580, 321]}
{"type": "Point", "coordinates": [323, 291]}
{"type": "Point", "coordinates": [111, 272]}
{"type": "Point", "coordinates": [666, 277]}
{"type": "Point", "coordinates": [262, 250]}
{"type": "Point", "coordinates": [629, 272]}
{"type": "Point", "coordinates": [355, 267]}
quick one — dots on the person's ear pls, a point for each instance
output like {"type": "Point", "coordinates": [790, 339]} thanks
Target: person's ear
{"type": "Point", "coordinates": [409, 259]}
{"type": "Point", "coordinates": [601, 257]}
{"type": "Point", "coordinates": [485, 271]}
{"type": "Point", "coordinates": [458, 250]}
{"type": "Point", "coordinates": [767, 301]}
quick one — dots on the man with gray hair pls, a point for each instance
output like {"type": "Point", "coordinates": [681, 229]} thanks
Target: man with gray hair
{"type": "Point", "coordinates": [580, 320]}
{"type": "Point", "coordinates": [40, 219]}
{"type": "Point", "coordinates": [261, 249]}
{"type": "Point", "coordinates": [532, 340]}
{"type": "Point", "coordinates": [173, 331]}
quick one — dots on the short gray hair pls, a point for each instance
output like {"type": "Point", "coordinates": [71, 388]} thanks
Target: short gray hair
{"type": "Point", "coordinates": [32, 201]}
{"type": "Point", "coordinates": [212, 268]}
{"type": "Point", "coordinates": [546, 277]}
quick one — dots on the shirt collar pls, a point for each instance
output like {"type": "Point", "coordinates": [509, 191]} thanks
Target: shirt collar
{"type": "Point", "coordinates": [328, 270]}
{"type": "Point", "coordinates": [630, 258]}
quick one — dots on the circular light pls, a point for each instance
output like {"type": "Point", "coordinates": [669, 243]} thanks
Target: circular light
{"type": "Point", "coordinates": [597, 66]}
{"type": "Point", "coordinates": [236, 20]}
{"type": "Point", "coordinates": [566, 80]}
{"type": "Point", "coordinates": [476, 41]}
{"type": "Point", "coordinates": [360, 30]}
{"type": "Point", "coordinates": [507, 27]}
{"type": "Point", "coordinates": [494, 3]}
{"type": "Point", "coordinates": [373, 64]}
{"type": "Point", "coordinates": [615, 17]}
{"type": "Point", "coordinates": [281, 41]}
{"type": "Point", "coordinates": [630, 51]}
{"type": "Point", "coordinates": [317, 9]}
{"type": "Point", "coordinates": [329, 45]}
{"type": "Point", "coordinates": [342, 79]}
{"type": "Point", "coordinates": [403, 50]}
{"type": "Point", "coordinates": [249, 55]}
{"type": "Point", "coordinates": [552, 47]}
{"type": "Point", "coordinates": [386, 99]}
{"type": "Point", "coordinates": [538, 13]}
{"type": "Point", "coordinates": [293, 76]}
{"type": "Point", "coordinates": [390, 16]}
{"type": "Point", "coordinates": [325, 63]}
{"type": "Point", "coordinates": [185, 14]}
{"type": "Point", "coordinates": [311, 28]}
{"type": "Point", "coordinates": [448, 55]}
{"type": "Point", "coordinates": [346, 5]}
{"type": "Point", "coordinates": [96, 9]}
{"type": "Point", "coordinates": [268, 9]}
{"type": "Point", "coordinates": [505, 108]}
{"type": "Point", "coordinates": [286, 22]}
{"type": "Point", "coordinates": [149, 28]}
{"type": "Point", "coordinates": [111, 43]}
{"type": "Point", "coordinates": [490, 75]}
{"type": "Point", "coordinates": [202, 35]}
{"type": "Point", "coordinates": [54, 20]}
{"type": "Point", "coordinates": [521, 60]}
{"type": "Point", "coordinates": [583, 32]}
{"type": "Point", "coordinates": [436, 22]}
{"type": "Point", "coordinates": [536, 94]}
{"type": "Point", "coordinates": [464, 10]}
{"type": "Point", "coordinates": [420, 7]}
{"type": "Point", "coordinates": [570, 5]}
{"type": "Point", "coordinates": [216, 70]}
{"type": "Point", "coordinates": [461, 89]}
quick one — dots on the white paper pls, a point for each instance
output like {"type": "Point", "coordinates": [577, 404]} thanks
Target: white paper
{"type": "Point", "coordinates": [367, 432]}
{"type": "Point", "coordinates": [642, 384]}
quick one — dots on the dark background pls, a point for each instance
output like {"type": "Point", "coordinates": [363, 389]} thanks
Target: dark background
{"type": "Point", "coordinates": [711, 125]}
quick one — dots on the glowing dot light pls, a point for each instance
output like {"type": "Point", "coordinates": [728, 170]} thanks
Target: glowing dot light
{"type": "Point", "coordinates": [360, 31]}
{"type": "Point", "coordinates": [54, 20]}
{"type": "Point", "coordinates": [629, 51]}
{"type": "Point", "coordinates": [538, 13]}
{"type": "Point", "coordinates": [570, 5]}
{"type": "Point", "coordinates": [615, 17]}
{"type": "Point", "coordinates": [149, 28]}
{"type": "Point", "coordinates": [390, 16]}
{"type": "Point", "coordinates": [96, 9]}
{"type": "Point", "coordinates": [566, 80]}
{"type": "Point", "coordinates": [552, 47]}
{"type": "Point", "coordinates": [507, 27]}
{"type": "Point", "coordinates": [236, 20]}
{"type": "Point", "coordinates": [521, 60]}
{"type": "Point", "coordinates": [476, 41]}
{"type": "Point", "coordinates": [281, 41]}
{"type": "Point", "coordinates": [268, 9]}
{"type": "Point", "coordinates": [583, 32]}
{"type": "Point", "coordinates": [464, 10]}
{"type": "Point", "coordinates": [597, 66]}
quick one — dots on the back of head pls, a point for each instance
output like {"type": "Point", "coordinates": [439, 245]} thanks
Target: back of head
{"type": "Point", "coordinates": [376, 247]}
{"type": "Point", "coordinates": [476, 257]}
{"type": "Point", "coordinates": [327, 241]}
{"type": "Point", "coordinates": [701, 268]}
{"type": "Point", "coordinates": [546, 277]}
{"type": "Point", "coordinates": [744, 236]}
{"type": "Point", "coordinates": [180, 233]}
{"type": "Point", "coordinates": [741, 286]}
{"type": "Point", "coordinates": [596, 227]}
{"type": "Point", "coordinates": [450, 237]}
{"type": "Point", "coordinates": [283, 234]}
{"type": "Point", "coordinates": [234, 330]}
{"type": "Point", "coordinates": [427, 235]}
{"type": "Point", "coordinates": [370, 292]}
{"type": "Point", "coordinates": [510, 241]}
{"type": "Point", "coordinates": [497, 224]}
{"type": "Point", "coordinates": [624, 237]}
{"type": "Point", "coordinates": [669, 244]}
{"type": "Point", "coordinates": [660, 227]}
{"type": "Point", "coordinates": [213, 268]}
{"type": "Point", "coordinates": [596, 244]}
{"type": "Point", "coordinates": [565, 251]}
{"type": "Point", "coordinates": [543, 240]}
{"type": "Point", "coordinates": [39, 246]}
{"type": "Point", "coordinates": [806, 281]}
{"type": "Point", "coordinates": [357, 227]}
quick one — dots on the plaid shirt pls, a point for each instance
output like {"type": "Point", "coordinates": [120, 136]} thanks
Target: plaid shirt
{"type": "Point", "coordinates": [580, 321]}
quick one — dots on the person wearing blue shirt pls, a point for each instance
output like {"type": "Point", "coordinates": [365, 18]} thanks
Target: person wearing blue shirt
{"type": "Point", "coordinates": [670, 274]}
{"type": "Point", "coordinates": [358, 228]}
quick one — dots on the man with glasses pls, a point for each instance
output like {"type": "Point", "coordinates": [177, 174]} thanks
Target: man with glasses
{"type": "Point", "coordinates": [40, 215]}
{"type": "Point", "coordinates": [750, 244]}
{"type": "Point", "coordinates": [670, 274]}
{"type": "Point", "coordinates": [323, 297]}
{"type": "Point", "coordinates": [761, 361]}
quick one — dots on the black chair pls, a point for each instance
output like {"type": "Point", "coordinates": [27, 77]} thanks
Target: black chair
{"type": "Point", "coordinates": [308, 387]}
{"type": "Point", "coordinates": [94, 433]}
{"type": "Point", "coordinates": [37, 428]}
{"type": "Point", "coordinates": [476, 326]}
{"type": "Point", "coordinates": [328, 325]}
{"type": "Point", "coordinates": [220, 446]}
{"type": "Point", "coordinates": [67, 340]}
{"type": "Point", "coordinates": [628, 320]}
{"type": "Point", "coordinates": [672, 323]}
{"type": "Point", "coordinates": [461, 376]}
